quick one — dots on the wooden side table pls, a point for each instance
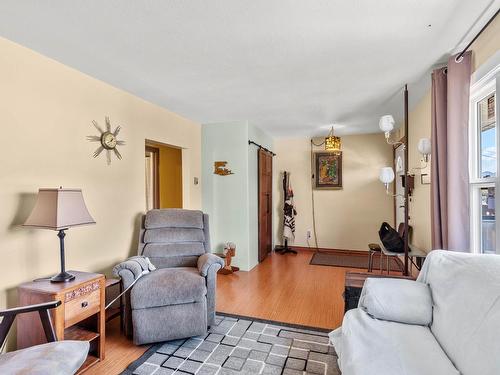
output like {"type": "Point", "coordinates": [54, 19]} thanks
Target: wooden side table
{"type": "Point", "coordinates": [81, 315]}
{"type": "Point", "coordinates": [354, 282]}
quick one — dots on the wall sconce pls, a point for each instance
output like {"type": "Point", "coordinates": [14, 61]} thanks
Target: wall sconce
{"type": "Point", "coordinates": [424, 147]}
{"type": "Point", "coordinates": [386, 176]}
{"type": "Point", "coordinates": [386, 124]}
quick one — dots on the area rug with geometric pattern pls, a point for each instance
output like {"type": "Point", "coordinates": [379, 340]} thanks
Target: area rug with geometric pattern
{"type": "Point", "coordinates": [241, 345]}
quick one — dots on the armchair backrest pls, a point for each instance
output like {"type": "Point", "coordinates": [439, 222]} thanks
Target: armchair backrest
{"type": "Point", "coordinates": [174, 237]}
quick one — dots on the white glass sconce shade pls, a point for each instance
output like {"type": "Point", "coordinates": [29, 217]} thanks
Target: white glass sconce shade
{"type": "Point", "coordinates": [424, 147]}
{"type": "Point", "coordinates": [386, 123]}
{"type": "Point", "coordinates": [386, 176]}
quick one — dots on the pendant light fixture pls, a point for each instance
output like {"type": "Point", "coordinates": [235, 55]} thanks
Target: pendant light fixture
{"type": "Point", "coordinates": [332, 142]}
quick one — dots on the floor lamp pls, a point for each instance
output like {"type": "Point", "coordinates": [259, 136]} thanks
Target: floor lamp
{"type": "Point", "coordinates": [387, 176]}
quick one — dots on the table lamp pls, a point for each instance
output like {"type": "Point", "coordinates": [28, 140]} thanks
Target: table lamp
{"type": "Point", "coordinates": [59, 209]}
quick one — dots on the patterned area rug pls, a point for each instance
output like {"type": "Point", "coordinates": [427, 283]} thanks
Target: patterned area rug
{"type": "Point", "coordinates": [237, 345]}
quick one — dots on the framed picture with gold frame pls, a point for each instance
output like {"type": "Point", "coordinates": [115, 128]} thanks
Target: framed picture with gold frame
{"type": "Point", "coordinates": [327, 170]}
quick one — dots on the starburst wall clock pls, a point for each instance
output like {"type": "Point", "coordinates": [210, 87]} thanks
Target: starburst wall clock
{"type": "Point", "coordinates": [108, 140]}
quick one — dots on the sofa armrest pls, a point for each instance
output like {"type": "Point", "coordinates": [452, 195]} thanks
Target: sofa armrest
{"type": "Point", "coordinates": [209, 261]}
{"type": "Point", "coordinates": [397, 300]}
{"type": "Point", "coordinates": [132, 269]}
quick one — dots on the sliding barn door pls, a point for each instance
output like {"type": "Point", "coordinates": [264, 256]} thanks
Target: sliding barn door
{"type": "Point", "coordinates": [265, 160]}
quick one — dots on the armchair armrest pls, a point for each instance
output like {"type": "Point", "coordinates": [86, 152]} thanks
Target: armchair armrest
{"type": "Point", "coordinates": [24, 309]}
{"type": "Point", "coordinates": [397, 300]}
{"type": "Point", "coordinates": [43, 310]}
{"type": "Point", "coordinates": [208, 261]}
{"type": "Point", "coordinates": [132, 269]}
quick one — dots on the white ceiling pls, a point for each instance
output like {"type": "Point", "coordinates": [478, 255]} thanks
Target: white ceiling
{"type": "Point", "coordinates": [290, 67]}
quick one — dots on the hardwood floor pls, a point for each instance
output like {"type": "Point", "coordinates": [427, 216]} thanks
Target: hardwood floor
{"type": "Point", "coordinates": [284, 288]}
{"type": "Point", "coordinates": [120, 352]}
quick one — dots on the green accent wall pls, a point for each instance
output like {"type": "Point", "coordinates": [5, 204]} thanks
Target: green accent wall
{"type": "Point", "coordinates": [231, 201]}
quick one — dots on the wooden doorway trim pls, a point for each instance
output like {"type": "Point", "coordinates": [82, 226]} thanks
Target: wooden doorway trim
{"type": "Point", "coordinates": [265, 202]}
{"type": "Point", "coordinates": [156, 174]}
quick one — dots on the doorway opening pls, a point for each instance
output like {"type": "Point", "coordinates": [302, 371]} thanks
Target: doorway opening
{"type": "Point", "coordinates": [265, 178]}
{"type": "Point", "coordinates": [163, 176]}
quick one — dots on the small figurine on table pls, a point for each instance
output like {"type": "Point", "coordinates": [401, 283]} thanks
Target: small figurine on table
{"type": "Point", "coordinates": [228, 252]}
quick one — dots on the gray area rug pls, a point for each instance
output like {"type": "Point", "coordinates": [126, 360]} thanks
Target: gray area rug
{"type": "Point", "coordinates": [237, 345]}
{"type": "Point", "coordinates": [345, 258]}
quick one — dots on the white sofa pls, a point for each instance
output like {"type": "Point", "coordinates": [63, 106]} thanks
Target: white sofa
{"type": "Point", "coordinates": [446, 322]}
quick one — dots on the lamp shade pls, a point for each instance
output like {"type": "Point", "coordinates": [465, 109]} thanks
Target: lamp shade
{"type": "Point", "coordinates": [386, 175]}
{"type": "Point", "coordinates": [59, 209]}
{"type": "Point", "coordinates": [424, 146]}
{"type": "Point", "coordinates": [386, 123]}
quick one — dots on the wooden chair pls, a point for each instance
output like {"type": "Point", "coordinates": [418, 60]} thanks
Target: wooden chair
{"type": "Point", "coordinates": [55, 357]}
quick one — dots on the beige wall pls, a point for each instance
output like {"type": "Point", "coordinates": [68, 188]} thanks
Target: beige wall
{"type": "Point", "coordinates": [420, 126]}
{"type": "Point", "coordinates": [46, 110]}
{"type": "Point", "coordinates": [486, 45]}
{"type": "Point", "coordinates": [347, 218]}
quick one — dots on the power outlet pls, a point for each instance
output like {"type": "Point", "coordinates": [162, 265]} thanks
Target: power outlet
{"type": "Point", "coordinates": [308, 234]}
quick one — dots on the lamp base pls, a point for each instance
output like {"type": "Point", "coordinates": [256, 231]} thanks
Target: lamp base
{"type": "Point", "coordinates": [62, 277]}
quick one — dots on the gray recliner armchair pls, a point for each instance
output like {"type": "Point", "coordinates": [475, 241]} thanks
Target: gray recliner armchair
{"type": "Point", "coordinates": [177, 300]}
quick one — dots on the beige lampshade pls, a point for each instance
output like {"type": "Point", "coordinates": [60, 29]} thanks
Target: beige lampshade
{"type": "Point", "coordinates": [59, 209]}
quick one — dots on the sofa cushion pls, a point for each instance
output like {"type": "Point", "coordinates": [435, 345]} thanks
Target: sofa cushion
{"type": "Point", "coordinates": [168, 286]}
{"type": "Point", "coordinates": [397, 300]}
{"type": "Point", "coordinates": [55, 358]}
{"type": "Point", "coordinates": [368, 346]}
{"type": "Point", "coordinates": [174, 217]}
{"type": "Point", "coordinates": [466, 319]}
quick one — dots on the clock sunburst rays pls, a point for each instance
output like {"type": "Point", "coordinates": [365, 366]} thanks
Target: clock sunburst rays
{"type": "Point", "coordinates": [108, 140]}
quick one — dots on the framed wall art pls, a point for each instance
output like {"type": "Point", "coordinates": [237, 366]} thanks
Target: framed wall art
{"type": "Point", "coordinates": [327, 170]}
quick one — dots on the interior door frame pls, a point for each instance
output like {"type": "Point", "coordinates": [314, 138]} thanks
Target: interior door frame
{"type": "Point", "coordinates": [262, 155]}
{"type": "Point", "coordinates": [156, 174]}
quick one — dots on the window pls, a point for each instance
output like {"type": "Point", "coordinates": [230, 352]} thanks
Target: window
{"type": "Point", "coordinates": [484, 166]}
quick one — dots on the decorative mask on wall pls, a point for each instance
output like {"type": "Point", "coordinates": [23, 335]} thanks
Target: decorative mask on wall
{"type": "Point", "coordinates": [108, 140]}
